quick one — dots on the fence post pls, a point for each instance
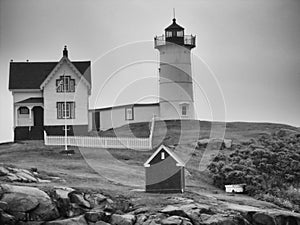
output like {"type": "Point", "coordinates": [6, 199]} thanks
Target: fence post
{"type": "Point", "coordinates": [151, 132]}
{"type": "Point", "coordinates": [45, 138]}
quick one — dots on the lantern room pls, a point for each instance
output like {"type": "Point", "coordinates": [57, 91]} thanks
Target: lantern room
{"type": "Point", "coordinates": [174, 34]}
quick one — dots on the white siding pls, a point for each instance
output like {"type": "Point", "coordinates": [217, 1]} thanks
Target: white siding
{"type": "Point", "coordinates": [175, 83]}
{"type": "Point", "coordinates": [51, 97]}
{"type": "Point", "coordinates": [116, 117]}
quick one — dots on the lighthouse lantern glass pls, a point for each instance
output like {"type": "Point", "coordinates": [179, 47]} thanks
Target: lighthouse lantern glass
{"type": "Point", "coordinates": [168, 33]}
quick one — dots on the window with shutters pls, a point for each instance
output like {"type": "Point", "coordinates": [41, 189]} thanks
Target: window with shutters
{"type": "Point", "coordinates": [65, 110]}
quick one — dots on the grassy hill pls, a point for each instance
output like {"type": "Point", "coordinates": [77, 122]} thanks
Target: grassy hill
{"type": "Point", "coordinates": [95, 168]}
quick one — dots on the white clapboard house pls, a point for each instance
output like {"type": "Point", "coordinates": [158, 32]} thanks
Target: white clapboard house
{"type": "Point", "coordinates": [48, 95]}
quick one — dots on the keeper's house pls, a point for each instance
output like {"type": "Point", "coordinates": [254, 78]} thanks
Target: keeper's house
{"type": "Point", "coordinates": [164, 172]}
{"type": "Point", "coordinates": [46, 95]}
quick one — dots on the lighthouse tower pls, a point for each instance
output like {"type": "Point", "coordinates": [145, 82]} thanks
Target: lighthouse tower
{"type": "Point", "coordinates": [175, 75]}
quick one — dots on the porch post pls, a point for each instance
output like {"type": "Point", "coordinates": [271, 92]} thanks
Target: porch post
{"type": "Point", "coordinates": [16, 122]}
{"type": "Point", "coordinates": [30, 115]}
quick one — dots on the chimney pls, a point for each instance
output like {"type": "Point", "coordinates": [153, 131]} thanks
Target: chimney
{"type": "Point", "coordinates": [65, 52]}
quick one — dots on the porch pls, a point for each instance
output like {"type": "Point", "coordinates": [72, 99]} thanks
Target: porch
{"type": "Point", "coordinates": [29, 119]}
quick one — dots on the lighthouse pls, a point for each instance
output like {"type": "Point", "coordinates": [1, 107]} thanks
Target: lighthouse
{"type": "Point", "coordinates": [176, 99]}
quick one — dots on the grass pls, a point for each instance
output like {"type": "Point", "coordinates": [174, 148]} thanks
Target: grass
{"type": "Point", "coordinates": [127, 165]}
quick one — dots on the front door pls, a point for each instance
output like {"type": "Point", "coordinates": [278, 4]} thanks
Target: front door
{"type": "Point", "coordinates": [38, 116]}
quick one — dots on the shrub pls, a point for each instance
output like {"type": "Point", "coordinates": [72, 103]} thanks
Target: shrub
{"type": "Point", "coordinates": [268, 168]}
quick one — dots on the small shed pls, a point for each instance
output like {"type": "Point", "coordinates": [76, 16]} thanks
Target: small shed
{"type": "Point", "coordinates": [235, 188]}
{"type": "Point", "coordinates": [164, 172]}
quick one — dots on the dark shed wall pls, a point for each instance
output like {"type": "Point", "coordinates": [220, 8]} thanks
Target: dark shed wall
{"type": "Point", "coordinates": [164, 175]}
{"type": "Point", "coordinates": [174, 183]}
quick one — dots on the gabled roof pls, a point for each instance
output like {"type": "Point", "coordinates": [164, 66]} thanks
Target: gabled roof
{"type": "Point", "coordinates": [30, 75]}
{"type": "Point", "coordinates": [32, 100]}
{"type": "Point", "coordinates": [84, 76]}
{"type": "Point", "coordinates": [169, 151]}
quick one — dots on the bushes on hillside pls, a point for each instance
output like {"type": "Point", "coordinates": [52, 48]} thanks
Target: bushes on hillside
{"type": "Point", "coordinates": [270, 166]}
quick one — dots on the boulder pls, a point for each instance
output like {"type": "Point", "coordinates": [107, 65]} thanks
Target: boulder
{"type": "Point", "coordinates": [126, 219]}
{"type": "Point", "coordinates": [173, 210]}
{"type": "Point", "coordinates": [60, 196]}
{"type": "Point", "coordinates": [78, 198]}
{"type": "Point", "coordinates": [101, 223]}
{"type": "Point", "coordinates": [26, 177]}
{"type": "Point", "coordinates": [220, 219]}
{"type": "Point", "coordinates": [3, 206]}
{"type": "Point", "coordinates": [141, 219]}
{"type": "Point", "coordinates": [20, 202]}
{"type": "Point", "coordinates": [141, 210]}
{"type": "Point", "coordinates": [29, 200]}
{"type": "Point", "coordinates": [263, 218]}
{"type": "Point", "coordinates": [201, 208]}
{"type": "Point", "coordinates": [95, 199]}
{"type": "Point", "coordinates": [191, 211]}
{"type": "Point", "coordinates": [95, 215]}
{"type": "Point", "coordinates": [31, 223]}
{"type": "Point", "coordinates": [172, 220]}
{"type": "Point", "coordinates": [79, 220]}
{"type": "Point", "coordinates": [7, 219]}
{"type": "Point", "coordinates": [13, 178]}
{"type": "Point", "coordinates": [3, 171]}
{"type": "Point", "coordinates": [73, 210]}
{"type": "Point", "coordinates": [227, 143]}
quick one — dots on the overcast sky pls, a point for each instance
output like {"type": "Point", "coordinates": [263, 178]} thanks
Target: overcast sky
{"type": "Point", "coordinates": [252, 48]}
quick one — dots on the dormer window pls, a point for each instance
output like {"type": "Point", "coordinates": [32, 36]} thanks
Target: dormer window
{"type": "Point", "coordinates": [65, 84]}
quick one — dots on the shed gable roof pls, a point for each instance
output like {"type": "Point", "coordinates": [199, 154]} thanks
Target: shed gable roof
{"type": "Point", "coordinates": [30, 75]}
{"type": "Point", "coordinates": [179, 162]}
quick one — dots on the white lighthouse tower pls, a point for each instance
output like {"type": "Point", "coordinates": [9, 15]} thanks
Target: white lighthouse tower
{"type": "Point", "coordinates": [175, 74]}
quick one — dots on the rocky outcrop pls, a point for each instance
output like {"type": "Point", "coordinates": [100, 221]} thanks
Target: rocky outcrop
{"type": "Point", "coordinates": [126, 219]}
{"type": "Point", "coordinates": [79, 220]}
{"type": "Point", "coordinates": [65, 206]}
{"type": "Point", "coordinates": [11, 174]}
{"type": "Point", "coordinates": [28, 203]}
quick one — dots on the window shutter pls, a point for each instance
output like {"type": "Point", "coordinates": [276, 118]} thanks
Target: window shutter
{"type": "Point", "coordinates": [73, 110]}
{"type": "Point", "coordinates": [72, 85]}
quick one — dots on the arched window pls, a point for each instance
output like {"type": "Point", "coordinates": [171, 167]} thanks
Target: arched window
{"type": "Point", "coordinates": [23, 110]}
{"type": "Point", "coordinates": [65, 84]}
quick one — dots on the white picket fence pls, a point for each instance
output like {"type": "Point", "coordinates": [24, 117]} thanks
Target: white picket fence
{"type": "Point", "coordinates": [103, 142]}
{"type": "Point", "coordinates": [100, 142]}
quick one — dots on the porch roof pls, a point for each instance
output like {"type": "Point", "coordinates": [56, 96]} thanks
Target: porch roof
{"type": "Point", "coordinates": [32, 100]}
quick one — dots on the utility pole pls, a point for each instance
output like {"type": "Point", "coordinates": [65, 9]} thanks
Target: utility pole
{"type": "Point", "coordinates": [65, 112]}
